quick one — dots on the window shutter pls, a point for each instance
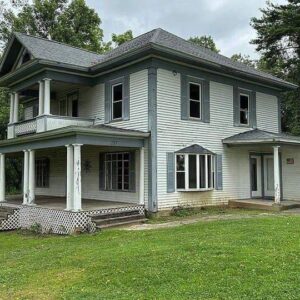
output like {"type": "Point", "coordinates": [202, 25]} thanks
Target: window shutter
{"type": "Point", "coordinates": [219, 172]}
{"type": "Point", "coordinates": [236, 106]}
{"type": "Point", "coordinates": [184, 98]}
{"type": "Point", "coordinates": [132, 171]}
{"type": "Point", "coordinates": [206, 102]}
{"type": "Point", "coordinates": [126, 104]}
{"type": "Point", "coordinates": [107, 113]}
{"type": "Point", "coordinates": [253, 110]}
{"type": "Point", "coordinates": [170, 172]}
{"type": "Point", "coordinates": [102, 171]}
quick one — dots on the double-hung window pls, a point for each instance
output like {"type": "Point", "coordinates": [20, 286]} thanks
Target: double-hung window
{"type": "Point", "coordinates": [117, 171]}
{"type": "Point", "coordinates": [194, 100]}
{"type": "Point", "coordinates": [42, 171]}
{"type": "Point", "coordinates": [244, 109]}
{"type": "Point", "coordinates": [195, 172]}
{"type": "Point", "coordinates": [117, 101]}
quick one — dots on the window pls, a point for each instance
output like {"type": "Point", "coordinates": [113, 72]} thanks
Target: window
{"type": "Point", "coordinates": [195, 100]}
{"type": "Point", "coordinates": [63, 107]}
{"type": "Point", "coordinates": [117, 171]}
{"type": "Point", "coordinates": [195, 172]}
{"type": "Point", "coordinates": [244, 109]}
{"type": "Point", "coordinates": [42, 170]}
{"type": "Point", "coordinates": [73, 100]}
{"type": "Point", "coordinates": [26, 58]}
{"type": "Point", "coordinates": [117, 101]}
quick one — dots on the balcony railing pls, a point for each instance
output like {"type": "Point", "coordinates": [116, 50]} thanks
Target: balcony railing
{"type": "Point", "coordinates": [45, 123]}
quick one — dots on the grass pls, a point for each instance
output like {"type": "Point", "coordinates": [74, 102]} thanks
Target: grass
{"type": "Point", "coordinates": [257, 258]}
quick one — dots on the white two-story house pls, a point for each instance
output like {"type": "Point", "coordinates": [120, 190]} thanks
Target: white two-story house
{"type": "Point", "coordinates": [154, 124]}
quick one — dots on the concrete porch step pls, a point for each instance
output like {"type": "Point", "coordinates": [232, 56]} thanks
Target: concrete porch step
{"type": "Point", "coordinates": [4, 214]}
{"type": "Point", "coordinates": [115, 214]}
{"type": "Point", "coordinates": [263, 204]}
{"type": "Point", "coordinates": [6, 209]}
{"type": "Point", "coordinates": [114, 219]}
{"type": "Point", "coordinates": [121, 224]}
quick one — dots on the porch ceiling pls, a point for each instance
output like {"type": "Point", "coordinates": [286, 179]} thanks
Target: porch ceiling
{"type": "Point", "coordinates": [94, 135]}
{"type": "Point", "coordinates": [261, 137]}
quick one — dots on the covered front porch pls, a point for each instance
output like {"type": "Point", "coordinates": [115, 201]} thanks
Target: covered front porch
{"type": "Point", "coordinates": [270, 166]}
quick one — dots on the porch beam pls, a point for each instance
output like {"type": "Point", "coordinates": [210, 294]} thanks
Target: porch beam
{"type": "Point", "coordinates": [11, 111]}
{"type": "Point", "coordinates": [16, 108]}
{"type": "Point", "coordinates": [47, 96]}
{"type": "Point", "coordinates": [31, 176]}
{"type": "Point", "coordinates": [142, 179]}
{"type": "Point", "coordinates": [70, 176]}
{"type": "Point", "coordinates": [77, 205]}
{"type": "Point", "coordinates": [2, 177]}
{"type": "Point", "coordinates": [41, 97]}
{"type": "Point", "coordinates": [25, 177]}
{"type": "Point", "coordinates": [277, 177]}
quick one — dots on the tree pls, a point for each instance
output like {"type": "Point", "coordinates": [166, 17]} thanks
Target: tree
{"type": "Point", "coordinates": [72, 22]}
{"type": "Point", "coordinates": [245, 59]}
{"type": "Point", "coordinates": [278, 41]}
{"type": "Point", "coordinates": [204, 41]}
{"type": "Point", "coordinates": [120, 39]}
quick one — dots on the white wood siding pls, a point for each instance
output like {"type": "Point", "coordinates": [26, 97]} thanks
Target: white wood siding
{"type": "Point", "coordinates": [174, 134]}
{"type": "Point", "coordinates": [90, 179]}
{"type": "Point", "coordinates": [267, 112]}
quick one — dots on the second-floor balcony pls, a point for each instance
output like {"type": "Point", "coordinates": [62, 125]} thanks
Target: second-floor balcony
{"type": "Point", "coordinates": [36, 109]}
{"type": "Point", "coordinates": [45, 123]}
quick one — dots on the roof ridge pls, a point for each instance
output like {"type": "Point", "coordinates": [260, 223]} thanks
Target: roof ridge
{"type": "Point", "coordinates": [56, 42]}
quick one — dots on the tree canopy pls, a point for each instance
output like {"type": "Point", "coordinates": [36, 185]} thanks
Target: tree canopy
{"type": "Point", "coordinates": [205, 41]}
{"type": "Point", "coordinates": [278, 42]}
{"type": "Point", "coordinates": [120, 39]}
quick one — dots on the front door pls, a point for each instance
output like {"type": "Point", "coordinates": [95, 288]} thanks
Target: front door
{"type": "Point", "coordinates": [268, 175]}
{"type": "Point", "coordinates": [256, 176]}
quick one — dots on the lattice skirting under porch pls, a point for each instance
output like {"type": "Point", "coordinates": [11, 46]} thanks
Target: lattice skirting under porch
{"type": "Point", "coordinates": [12, 222]}
{"type": "Point", "coordinates": [65, 222]}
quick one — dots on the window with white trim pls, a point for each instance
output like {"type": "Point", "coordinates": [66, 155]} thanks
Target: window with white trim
{"type": "Point", "coordinates": [117, 101]}
{"type": "Point", "coordinates": [244, 109]}
{"type": "Point", "coordinates": [195, 172]}
{"type": "Point", "coordinates": [42, 171]}
{"type": "Point", "coordinates": [195, 100]}
{"type": "Point", "coordinates": [117, 171]}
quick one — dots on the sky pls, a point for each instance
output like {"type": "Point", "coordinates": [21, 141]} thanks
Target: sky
{"type": "Point", "coordinates": [227, 21]}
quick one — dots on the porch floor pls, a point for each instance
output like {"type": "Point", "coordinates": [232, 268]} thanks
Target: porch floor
{"type": "Point", "coordinates": [59, 203]}
{"type": "Point", "coordinates": [264, 204]}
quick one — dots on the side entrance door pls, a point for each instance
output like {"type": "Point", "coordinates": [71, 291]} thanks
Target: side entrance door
{"type": "Point", "coordinates": [256, 176]}
{"type": "Point", "coordinates": [268, 175]}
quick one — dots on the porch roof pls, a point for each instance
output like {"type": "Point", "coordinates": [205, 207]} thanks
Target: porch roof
{"type": "Point", "coordinates": [98, 135]}
{"type": "Point", "coordinates": [257, 136]}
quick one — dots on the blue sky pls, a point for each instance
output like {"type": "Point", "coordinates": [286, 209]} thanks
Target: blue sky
{"type": "Point", "coordinates": [227, 21]}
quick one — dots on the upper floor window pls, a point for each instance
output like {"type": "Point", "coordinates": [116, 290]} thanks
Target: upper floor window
{"type": "Point", "coordinates": [117, 101]}
{"type": "Point", "coordinates": [72, 100]}
{"type": "Point", "coordinates": [195, 100]}
{"type": "Point", "coordinates": [244, 109]}
{"type": "Point", "coordinates": [26, 57]}
{"type": "Point", "coordinates": [195, 172]}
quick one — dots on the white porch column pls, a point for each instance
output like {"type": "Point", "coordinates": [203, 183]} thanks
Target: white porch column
{"type": "Point", "coordinates": [16, 108]}
{"type": "Point", "coordinates": [47, 96]}
{"type": "Point", "coordinates": [77, 178]}
{"type": "Point", "coordinates": [26, 177]}
{"type": "Point", "coordinates": [31, 176]}
{"type": "Point", "coordinates": [142, 170]}
{"type": "Point", "coordinates": [11, 111]}
{"type": "Point", "coordinates": [2, 177]}
{"type": "Point", "coordinates": [277, 185]}
{"type": "Point", "coordinates": [70, 176]}
{"type": "Point", "coordinates": [41, 97]}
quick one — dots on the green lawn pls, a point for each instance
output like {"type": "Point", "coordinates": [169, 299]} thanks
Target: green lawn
{"type": "Point", "coordinates": [257, 258]}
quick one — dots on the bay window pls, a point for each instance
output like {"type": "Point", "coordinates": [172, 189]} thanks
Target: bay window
{"type": "Point", "coordinates": [195, 172]}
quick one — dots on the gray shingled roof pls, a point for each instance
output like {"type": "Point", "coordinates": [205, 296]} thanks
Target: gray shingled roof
{"type": "Point", "coordinates": [62, 53]}
{"type": "Point", "coordinates": [196, 149]}
{"type": "Point", "coordinates": [54, 51]}
{"type": "Point", "coordinates": [260, 136]}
